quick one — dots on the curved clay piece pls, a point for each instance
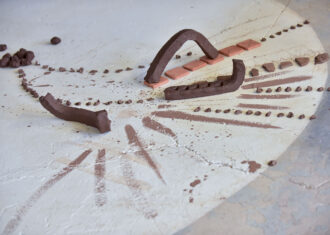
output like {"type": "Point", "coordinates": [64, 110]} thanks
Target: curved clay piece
{"type": "Point", "coordinates": [171, 46]}
{"type": "Point", "coordinates": [220, 86]}
{"type": "Point", "coordinates": [97, 119]}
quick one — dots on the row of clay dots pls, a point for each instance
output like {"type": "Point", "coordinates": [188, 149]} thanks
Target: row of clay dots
{"type": "Point", "coordinates": [93, 71]}
{"type": "Point", "coordinates": [34, 94]}
{"type": "Point", "coordinates": [256, 113]}
{"type": "Point", "coordinates": [292, 27]}
{"type": "Point", "coordinates": [289, 89]}
{"type": "Point", "coordinates": [81, 70]}
{"type": "Point", "coordinates": [108, 102]}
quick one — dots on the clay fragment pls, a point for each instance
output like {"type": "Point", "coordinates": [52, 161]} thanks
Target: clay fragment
{"type": "Point", "coordinates": [302, 61]}
{"type": "Point", "coordinates": [285, 64]}
{"type": "Point", "coordinates": [321, 58]}
{"type": "Point", "coordinates": [97, 119]}
{"type": "Point", "coordinates": [254, 72]}
{"type": "Point", "coordinates": [269, 67]}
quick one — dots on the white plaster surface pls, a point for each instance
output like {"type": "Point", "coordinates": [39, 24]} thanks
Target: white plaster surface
{"type": "Point", "coordinates": [107, 34]}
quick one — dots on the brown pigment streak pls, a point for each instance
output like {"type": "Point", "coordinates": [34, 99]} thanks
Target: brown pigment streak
{"type": "Point", "coordinates": [199, 118]}
{"type": "Point", "coordinates": [156, 126]}
{"type": "Point", "coordinates": [260, 106]}
{"type": "Point", "coordinates": [133, 139]}
{"type": "Point", "coordinates": [262, 77]}
{"type": "Point", "coordinates": [163, 106]}
{"type": "Point", "coordinates": [249, 96]}
{"type": "Point", "coordinates": [140, 200]}
{"type": "Point", "coordinates": [276, 82]}
{"type": "Point", "coordinates": [253, 165]}
{"type": "Point", "coordinates": [99, 171]}
{"type": "Point", "coordinates": [14, 222]}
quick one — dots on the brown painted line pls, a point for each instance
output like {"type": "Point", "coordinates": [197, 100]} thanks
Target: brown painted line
{"type": "Point", "coordinates": [99, 169]}
{"type": "Point", "coordinates": [140, 200]}
{"type": "Point", "coordinates": [112, 178]}
{"type": "Point", "coordinates": [21, 212]}
{"type": "Point", "coordinates": [277, 82]}
{"type": "Point", "coordinates": [261, 77]}
{"type": "Point", "coordinates": [200, 118]}
{"type": "Point", "coordinates": [133, 139]}
{"type": "Point", "coordinates": [156, 126]}
{"type": "Point", "coordinates": [260, 106]}
{"type": "Point", "coordinates": [251, 96]}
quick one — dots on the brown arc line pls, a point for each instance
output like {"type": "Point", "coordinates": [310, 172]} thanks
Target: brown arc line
{"type": "Point", "coordinates": [156, 126]}
{"type": "Point", "coordinates": [200, 118]}
{"type": "Point", "coordinates": [261, 77]}
{"type": "Point", "coordinates": [251, 96]}
{"type": "Point", "coordinates": [14, 222]}
{"type": "Point", "coordinates": [133, 139]}
{"type": "Point", "coordinates": [99, 169]}
{"type": "Point", "coordinates": [277, 82]}
{"type": "Point", "coordinates": [260, 106]}
{"type": "Point", "coordinates": [140, 200]}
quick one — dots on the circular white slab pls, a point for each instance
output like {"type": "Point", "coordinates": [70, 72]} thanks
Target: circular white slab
{"type": "Point", "coordinates": [39, 195]}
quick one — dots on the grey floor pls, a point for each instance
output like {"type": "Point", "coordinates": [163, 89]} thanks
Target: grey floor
{"type": "Point", "coordinates": [294, 196]}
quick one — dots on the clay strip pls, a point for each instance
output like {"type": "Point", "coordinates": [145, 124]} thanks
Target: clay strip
{"type": "Point", "coordinates": [99, 171]}
{"type": "Point", "coordinates": [260, 106]}
{"type": "Point", "coordinates": [173, 45]}
{"type": "Point", "coordinates": [203, 89]}
{"type": "Point", "coordinates": [97, 119]}
{"type": "Point", "coordinates": [133, 139]}
{"type": "Point", "coordinates": [200, 118]}
{"type": "Point", "coordinates": [277, 82]}
{"type": "Point", "coordinates": [256, 78]}
{"type": "Point", "coordinates": [156, 126]}
{"type": "Point", "coordinates": [22, 211]}
{"type": "Point", "coordinates": [249, 96]}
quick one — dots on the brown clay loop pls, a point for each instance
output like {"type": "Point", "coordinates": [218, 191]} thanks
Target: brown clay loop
{"type": "Point", "coordinates": [173, 45]}
{"type": "Point", "coordinates": [97, 119]}
{"type": "Point", "coordinates": [204, 88]}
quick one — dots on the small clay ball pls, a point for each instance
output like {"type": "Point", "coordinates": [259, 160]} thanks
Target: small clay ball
{"type": "Point", "coordinates": [55, 40]}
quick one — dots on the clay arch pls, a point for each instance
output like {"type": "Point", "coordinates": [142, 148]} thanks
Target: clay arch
{"type": "Point", "coordinates": [173, 45]}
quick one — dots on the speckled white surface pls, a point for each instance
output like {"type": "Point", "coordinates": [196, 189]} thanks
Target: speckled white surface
{"type": "Point", "coordinates": [114, 37]}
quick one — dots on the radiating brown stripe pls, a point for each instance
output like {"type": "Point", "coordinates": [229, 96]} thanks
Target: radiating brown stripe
{"type": "Point", "coordinates": [260, 106]}
{"type": "Point", "coordinates": [250, 96]}
{"type": "Point", "coordinates": [277, 82]}
{"type": "Point", "coordinates": [200, 118]}
{"type": "Point", "coordinates": [14, 222]}
{"type": "Point", "coordinates": [133, 139]}
{"type": "Point", "coordinates": [139, 200]}
{"type": "Point", "coordinates": [262, 77]}
{"type": "Point", "coordinates": [156, 126]}
{"type": "Point", "coordinates": [99, 171]}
